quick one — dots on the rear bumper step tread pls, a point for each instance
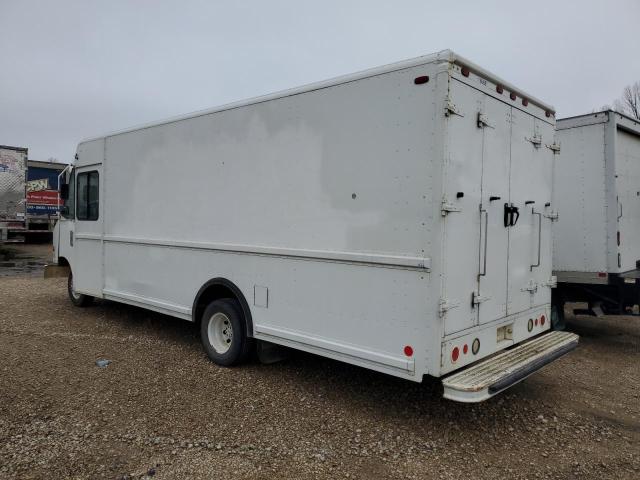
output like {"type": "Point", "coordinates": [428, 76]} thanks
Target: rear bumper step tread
{"type": "Point", "coordinates": [486, 378]}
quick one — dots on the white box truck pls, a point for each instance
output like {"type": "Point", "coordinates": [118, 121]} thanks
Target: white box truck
{"type": "Point", "coordinates": [596, 255]}
{"type": "Point", "coordinates": [396, 219]}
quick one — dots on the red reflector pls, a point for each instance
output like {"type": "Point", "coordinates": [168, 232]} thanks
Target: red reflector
{"type": "Point", "coordinates": [465, 71]}
{"type": "Point", "coordinates": [421, 80]}
{"type": "Point", "coordinates": [408, 351]}
{"type": "Point", "coordinates": [513, 96]}
{"type": "Point", "coordinates": [602, 274]}
{"type": "Point", "coordinates": [525, 102]}
{"type": "Point", "coordinates": [536, 322]}
{"type": "Point", "coordinates": [455, 354]}
{"type": "Point", "coordinates": [499, 89]}
{"type": "Point", "coordinates": [542, 320]}
{"type": "Point", "coordinates": [465, 349]}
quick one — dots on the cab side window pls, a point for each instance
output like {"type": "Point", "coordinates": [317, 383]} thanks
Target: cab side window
{"type": "Point", "coordinates": [87, 190]}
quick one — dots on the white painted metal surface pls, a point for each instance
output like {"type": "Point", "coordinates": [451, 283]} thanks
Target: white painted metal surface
{"type": "Point", "coordinates": [597, 195]}
{"type": "Point", "coordinates": [354, 215]}
{"type": "Point", "coordinates": [491, 376]}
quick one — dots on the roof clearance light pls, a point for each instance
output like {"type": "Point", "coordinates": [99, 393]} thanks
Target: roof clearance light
{"type": "Point", "coordinates": [513, 96]}
{"type": "Point", "coordinates": [499, 89]}
{"type": "Point", "coordinates": [421, 80]}
{"type": "Point", "coordinates": [455, 354]}
{"type": "Point", "coordinates": [465, 71]}
{"type": "Point", "coordinates": [525, 102]}
{"type": "Point", "coordinates": [547, 114]}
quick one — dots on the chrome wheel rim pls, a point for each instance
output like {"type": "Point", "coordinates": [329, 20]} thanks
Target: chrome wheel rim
{"type": "Point", "coordinates": [220, 332]}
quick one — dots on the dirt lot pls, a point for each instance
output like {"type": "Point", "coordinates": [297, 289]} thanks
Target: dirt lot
{"type": "Point", "coordinates": [162, 410]}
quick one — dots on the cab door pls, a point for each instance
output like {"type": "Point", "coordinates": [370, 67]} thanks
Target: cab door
{"type": "Point", "coordinates": [87, 237]}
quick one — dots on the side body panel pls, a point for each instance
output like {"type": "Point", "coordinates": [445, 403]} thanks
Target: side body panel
{"type": "Point", "coordinates": [580, 234]}
{"type": "Point", "coordinates": [324, 202]}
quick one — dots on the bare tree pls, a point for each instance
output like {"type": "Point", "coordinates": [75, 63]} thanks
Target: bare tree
{"type": "Point", "coordinates": [630, 101]}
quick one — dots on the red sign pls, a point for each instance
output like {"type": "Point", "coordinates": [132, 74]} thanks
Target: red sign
{"type": "Point", "coordinates": [43, 197]}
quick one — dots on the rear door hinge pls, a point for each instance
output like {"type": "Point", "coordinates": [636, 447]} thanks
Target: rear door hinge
{"type": "Point", "coordinates": [451, 109]}
{"type": "Point", "coordinates": [554, 147]}
{"type": "Point", "coordinates": [445, 305]}
{"type": "Point", "coordinates": [536, 140]}
{"type": "Point", "coordinates": [531, 287]}
{"type": "Point", "coordinates": [448, 207]}
{"type": "Point", "coordinates": [483, 121]}
{"type": "Point", "coordinates": [553, 216]}
{"type": "Point", "coordinates": [477, 299]}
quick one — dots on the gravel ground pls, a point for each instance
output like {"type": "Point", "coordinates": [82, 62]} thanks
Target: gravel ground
{"type": "Point", "coordinates": [162, 410]}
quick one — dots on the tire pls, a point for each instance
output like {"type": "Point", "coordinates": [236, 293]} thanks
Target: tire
{"type": "Point", "coordinates": [78, 299]}
{"type": "Point", "coordinates": [223, 333]}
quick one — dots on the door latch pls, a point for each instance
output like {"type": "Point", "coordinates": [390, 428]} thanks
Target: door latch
{"type": "Point", "coordinates": [509, 211]}
{"type": "Point", "coordinates": [71, 238]}
{"type": "Point", "coordinates": [477, 299]}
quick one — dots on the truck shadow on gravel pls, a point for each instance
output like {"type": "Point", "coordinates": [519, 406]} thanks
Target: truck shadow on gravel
{"type": "Point", "coordinates": [333, 384]}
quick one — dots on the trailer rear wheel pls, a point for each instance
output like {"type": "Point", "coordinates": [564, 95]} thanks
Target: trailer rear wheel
{"type": "Point", "coordinates": [223, 332]}
{"type": "Point", "coordinates": [78, 299]}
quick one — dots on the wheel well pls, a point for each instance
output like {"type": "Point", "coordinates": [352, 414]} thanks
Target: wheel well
{"type": "Point", "coordinates": [63, 262]}
{"type": "Point", "coordinates": [216, 289]}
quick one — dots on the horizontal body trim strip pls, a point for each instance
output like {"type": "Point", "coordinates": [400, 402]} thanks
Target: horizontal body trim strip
{"type": "Point", "coordinates": [397, 261]}
{"type": "Point", "coordinates": [150, 303]}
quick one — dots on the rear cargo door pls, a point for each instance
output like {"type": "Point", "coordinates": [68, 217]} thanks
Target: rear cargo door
{"type": "Point", "coordinates": [628, 188]}
{"type": "Point", "coordinates": [529, 265]}
{"type": "Point", "coordinates": [494, 119]}
{"type": "Point", "coordinates": [460, 209]}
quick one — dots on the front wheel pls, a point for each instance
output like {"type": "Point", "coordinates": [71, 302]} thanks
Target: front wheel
{"type": "Point", "coordinates": [223, 332]}
{"type": "Point", "coordinates": [78, 299]}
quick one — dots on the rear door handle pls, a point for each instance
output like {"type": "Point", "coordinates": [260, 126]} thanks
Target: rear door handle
{"type": "Point", "coordinates": [71, 238]}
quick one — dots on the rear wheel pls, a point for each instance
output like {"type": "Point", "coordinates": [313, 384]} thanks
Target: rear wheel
{"type": "Point", "coordinates": [223, 332]}
{"type": "Point", "coordinates": [78, 299]}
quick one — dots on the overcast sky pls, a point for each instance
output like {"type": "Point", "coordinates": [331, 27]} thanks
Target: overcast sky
{"type": "Point", "coordinates": [73, 69]}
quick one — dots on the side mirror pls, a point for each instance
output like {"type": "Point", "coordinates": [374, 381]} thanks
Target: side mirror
{"type": "Point", "coordinates": [64, 191]}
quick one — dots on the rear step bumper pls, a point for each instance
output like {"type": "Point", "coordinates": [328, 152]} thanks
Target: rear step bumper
{"type": "Point", "coordinates": [486, 378]}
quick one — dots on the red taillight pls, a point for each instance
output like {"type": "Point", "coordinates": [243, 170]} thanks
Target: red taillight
{"type": "Point", "coordinates": [525, 102]}
{"type": "Point", "coordinates": [513, 96]}
{"type": "Point", "coordinates": [602, 274]}
{"type": "Point", "coordinates": [408, 351]}
{"type": "Point", "coordinates": [542, 320]}
{"type": "Point", "coordinates": [455, 354]}
{"type": "Point", "coordinates": [421, 80]}
{"type": "Point", "coordinates": [499, 89]}
{"type": "Point", "coordinates": [465, 71]}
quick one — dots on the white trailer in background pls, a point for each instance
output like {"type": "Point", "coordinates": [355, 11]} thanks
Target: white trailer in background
{"type": "Point", "coordinates": [596, 255]}
{"type": "Point", "coordinates": [13, 170]}
{"type": "Point", "coordinates": [397, 219]}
